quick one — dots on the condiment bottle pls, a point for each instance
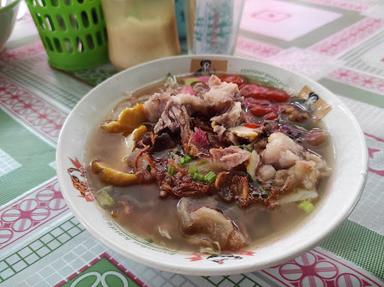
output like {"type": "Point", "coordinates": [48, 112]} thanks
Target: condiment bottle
{"type": "Point", "coordinates": [140, 30]}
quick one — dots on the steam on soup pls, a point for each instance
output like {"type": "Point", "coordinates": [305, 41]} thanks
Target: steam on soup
{"type": "Point", "coordinates": [210, 163]}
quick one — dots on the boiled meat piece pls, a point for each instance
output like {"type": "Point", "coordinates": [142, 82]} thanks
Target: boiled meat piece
{"type": "Point", "coordinates": [175, 117]}
{"type": "Point", "coordinates": [220, 95]}
{"type": "Point", "coordinates": [266, 172]}
{"type": "Point", "coordinates": [306, 173]}
{"type": "Point", "coordinates": [194, 103]}
{"type": "Point", "coordinates": [199, 144]}
{"type": "Point", "coordinates": [206, 226]}
{"type": "Point", "coordinates": [281, 151]}
{"type": "Point", "coordinates": [229, 157]}
{"type": "Point", "coordinates": [231, 118]}
{"type": "Point", "coordinates": [155, 105]}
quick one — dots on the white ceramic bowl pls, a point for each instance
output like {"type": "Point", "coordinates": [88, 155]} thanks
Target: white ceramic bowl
{"type": "Point", "coordinates": [342, 192]}
{"type": "Point", "coordinates": [8, 15]}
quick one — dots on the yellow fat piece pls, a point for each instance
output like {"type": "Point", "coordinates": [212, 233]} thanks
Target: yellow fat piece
{"type": "Point", "coordinates": [112, 176]}
{"type": "Point", "coordinates": [139, 132]}
{"type": "Point", "coordinates": [129, 119]}
{"type": "Point", "coordinates": [134, 137]}
{"type": "Point", "coordinates": [245, 132]}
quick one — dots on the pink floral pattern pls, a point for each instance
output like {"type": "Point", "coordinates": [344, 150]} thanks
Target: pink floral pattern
{"type": "Point", "coordinates": [31, 211]}
{"type": "Point", "coordinates": [344, 4]}
{"type": "Point", "coordinates": [23, 52]}
{"type": "Point", "coordinates": [77, 173]}
{"type": "Point", "coordinates": [375, 154]}
{"type": "Point", "coordinates": [358, 79]}
{"type": "Point", "coordinates": [41, 116]}
{"type": "Point", "coordinates": [317, 269]}
{"type": "Point", "coordinates": [256, 49]}
{"type": "Point", "coordinates": [96, 260]}
{"type": "Point", "coordinates": [352, 35]}
{"type": "Point", "coordinates": [270, 15]}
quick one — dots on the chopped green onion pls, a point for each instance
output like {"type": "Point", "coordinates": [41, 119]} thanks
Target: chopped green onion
{"type": "Point", "coordinates": [185, 159]}
{"type": "Point", "coordinates": [197, 176]}
{"type": "Point", "coordinates": [104, 198]}
{"type": "Point", "coordinates": [306, 206]}
{"type": "Point", "coordinates": [210, 177]}
{"type": "Point", "coordinates": [149, 168]}
{"type": "Point", "coordinates": [192, 170]}
{"type": "Point", "coordinates": [171, 169]}
{"type": "Point", "coordinates": [195, 173]}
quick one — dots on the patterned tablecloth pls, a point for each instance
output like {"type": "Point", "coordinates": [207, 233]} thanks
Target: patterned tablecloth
{"type": "Point", "coordinates": [339, 43]}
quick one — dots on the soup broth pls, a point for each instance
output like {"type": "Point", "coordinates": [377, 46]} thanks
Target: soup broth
{"type": "Point", "coordinates": [140, 210]}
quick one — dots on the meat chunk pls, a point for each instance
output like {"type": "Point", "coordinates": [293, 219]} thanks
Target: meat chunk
{"type": "Point", "coordinates": [175, 117]}
{"type": "Point", "coordinates": [199, 143]}
{"type": "Point", "coordinates": [284, 181]}
{"type": "Point", "coordinates": [306, 174]}
{"type": "Point", "coordinates": [218, 98]}
{"type": "Point", "coordinates": [220, 131]}
{"type": "Point", "coordinates": [214, 81]}
{"type": "Point", "coordinates": [303, 174]}
{"type": "Point", "coordinates": [220, 95]}
{"type": "Point", "coordinates": [266, 172]}
{"type": "Point", "coordinates": [281, 151]}
{"type": "Point", "coordinates": [229, 157]}
{"type": "Point", "coordinates": [155, 105]}
{"type": "Point", "coordinates": [231, 118]}
{"type": "Point", "coordinates": [207, 226]}
{"type": "Point", "coordinates": [199, 88]}
{"type": "Point", "coordinates": [321, 164]}
{"type": "Point", "coordinates": [288, 158]}
{"type": "Point", "coordinates": [195, 103]}
{"type": "Point", "coordinates": [232, 186]}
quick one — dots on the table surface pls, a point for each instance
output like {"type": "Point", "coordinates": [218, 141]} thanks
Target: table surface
{"type": "Point", "coordinates": [339, 43]}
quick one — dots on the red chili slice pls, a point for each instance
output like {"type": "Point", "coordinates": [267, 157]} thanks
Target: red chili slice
{"type": "Point", "coordinates": [250, 90]}
{"type": "Point", "coordinates": [278, 96]}
{"type": "Point", "coordinates": [263, 93]}
{"type": "Point", "coordinates": [233, 79]}
{"type": "Point", "coordinates": [252, 125]}
{"type": "Point", "coordinates": [259, 110]}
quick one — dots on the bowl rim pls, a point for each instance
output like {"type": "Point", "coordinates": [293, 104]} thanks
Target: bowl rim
{"type": "Point", "coordinates": [217, 269]}
{"type": "Point", "coordinates": [9, 5]}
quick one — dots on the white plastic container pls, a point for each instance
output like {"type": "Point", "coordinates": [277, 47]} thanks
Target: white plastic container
{"type": "Point", "coordinates": [212, 25]}
{"type": "Point", "coordinates": [140, 30]}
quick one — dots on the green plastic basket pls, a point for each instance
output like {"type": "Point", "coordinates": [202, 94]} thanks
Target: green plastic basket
{"type": "Point", "coordinates": [72, 31]}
